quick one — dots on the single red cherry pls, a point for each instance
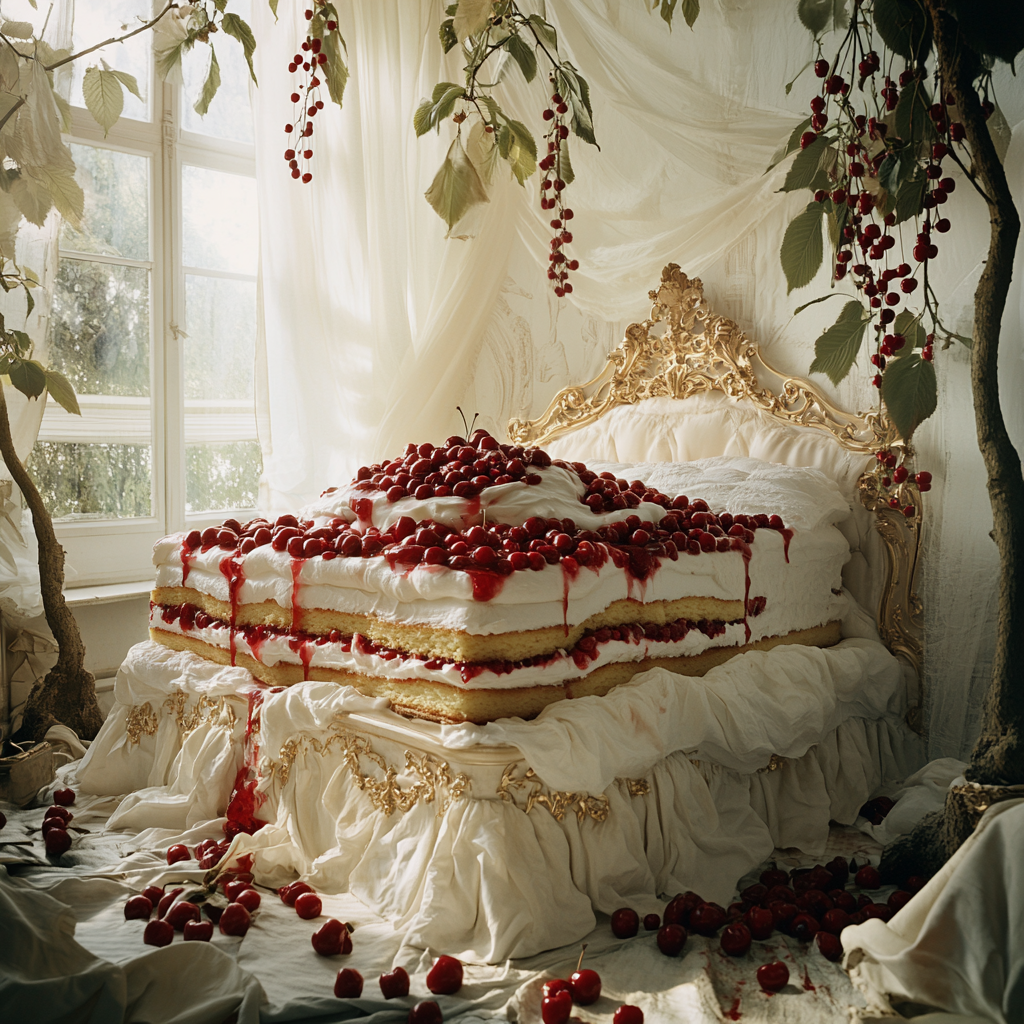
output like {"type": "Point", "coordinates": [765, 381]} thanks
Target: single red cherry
{"type": "Point", "coordinates": [308, 905]}
{"type": "Point", "coordinates": [198, 931]}
{"type": "Point", "coordinates": [166, 900]}
{"type": "Point", "coordinates": [51, 823]}
{"type": "Point", "coordinates": [652, 922]}
{"type": "Point", "coordinates": [760, 921]}
{"type": "Point", "coordinates": [395, 985]}
{"type": "Point", "coordinates": [425, 1012]}
{"type": "Point", "coordinates": [181, 912]}
{"type": "Point", "coordinates": [64, 797]}
{"type": "Point", "coordinates": [3, 820]}
{"type": "Point", "coordinates": [153, 893]}
{"type": "Point", "coordinates": [736, 939]}
{"type": "Point", "coordinates": [671, 939]}
{"type": "Point", "coordinates": [586, 986]}
{"type": "Point", "coordinates": [556, 1008]}
{"type": "Point", "coordinates": [57, 842]}
{"type": "Point", "coordinates": [178, 852]}
{"type": "Point", "coordinates": [625, 923]}
{"type": "Point", "coordinates": [803, 927]}
{"type": "Point", "coordinates": [829, 946]}
{"type": "Point", "coordinates": [915, 883]}
{"type": "Point", "coordinates": [348, 984]}
{"type": "Point", "coordinates": [290, 893]}
{"type": "Point", "coordinates": [556, 985]}
{"type": "Point", "coordinates": [445, 977]}
{"type": "Point", "coordinates": [628, 1014]}
{"type": "Point", "coordinates": [235, 920]}
{"type": "Point", "coordinates": [772, 977]}
{"type": "Point", "coordinates": [868, 877]}
{"type": "Point", "coordinates": [329, 938]}
{"type": "Point", "coordinates": [834, 921]}
{"type": "Point", "coordinates": [158, 933]}
{"type": "Point", "coordinates": [250, 899]}
{"type": "Point", "coordinates": [138, 908]}
{"type": "Point", "coordinates": [707, 919]}
{"type": "Point", "coordinates": [235, 888]}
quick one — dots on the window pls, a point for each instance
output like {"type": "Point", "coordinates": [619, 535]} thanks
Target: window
{"type": "Point", "coordinates": [154, 312]}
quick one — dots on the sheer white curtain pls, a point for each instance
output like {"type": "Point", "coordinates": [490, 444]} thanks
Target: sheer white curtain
{"type": "Point", "coordinates": [376, 327]}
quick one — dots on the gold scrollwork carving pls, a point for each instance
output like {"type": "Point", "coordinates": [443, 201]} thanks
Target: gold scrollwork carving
{"type": "Point", "coordinates": [774, 763]}
{"type": "Point", "coordinates": [557, 802]}
{"type": "Point", "coordinates": [141, 721]}
{"type": "Point", "coordinates": [637, 787]}
{"type": "Point", "coordinates": [434, 778]}
{"type": "Point", "coordinates": [683, 349]}
{"type": "Point", "coordinates": [204, 709]}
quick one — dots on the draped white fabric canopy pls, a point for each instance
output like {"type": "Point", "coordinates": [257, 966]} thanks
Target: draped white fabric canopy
{"type": "Point", "coordinates": [375, 326]}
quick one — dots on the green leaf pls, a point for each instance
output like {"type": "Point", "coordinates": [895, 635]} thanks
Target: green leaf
{"type": "Point", "coordinates": [430, 113]}
{"type": "Point", "coordinates": [335, 71]}
{"type": "Point", "coordinates": [128, 81]}
{"type": "Point", "coordinates": [33, 199]}
{"type": "Point", "coordinates": [889, 173]}
{"type": "Point", "coordinates": [522, 151]}
{"type": "Point", "coordinates": [30, 302]}
{"type": "Point", "coordinates": [422, 120]}
{"type": "Point", "coordinates": [814, 15]}
{"type": "Point", "coordinates": [446, 33]}
{"type": "Point", "coordinates": [905, 27]}
{"type": "Point", "coordinates": [999, 129]}
{"type": "Point", "coordinates": [668, 9]}
{"type": "Point", "coordinates": [804, 172]}
{"type": "Point", "coordinates": [836, 350]}
{"type": "Point", "coordinates": [66, 193]}
{"type": "Point", "coordinates": [104, 96]}
{"type": "Point", "coordinates": [472, 17]}
{"type": "Point", "coordinates": [837, 218]}
{"type": "Point", "coordinates": [210, 86]}
{"type": "Point", "coordinates": [793, 142]}
{"type": "Point", "coordinates": [17, 29]}
{"type": "Point", "coordinates": [523, 55]}
{"type": "Point", "coordinates": [62, 392]}
{"type": "Point", "coordinates": [823, 298]}
{"type": "Point", "coordinates": [563, 165]}
{"type": "Point", "coordinates": [233, 25]}
{"type": "Point", "coordinates": [690, 9]}
{"type": "Point", "coordinates": [910, 392]}
{"type": "Point", "coordinates": [446, 104]}
{"type": "Point", "coordinates": [456, 186]}
{"type": "Point", "coordinates": [573, 85]}
{"type": "Point", "coordinates": [840, 15]}
{"type": "Point", "coordinates": [910, 197]}
{"type": "Point", "coordinates": [22, 343]}
{"type": "Point", "coordinates": [545, 31]}
{"type": "Point", "coordinates": [273, 8]}
{"type": "Point", "coordinates": [28, 377]}
{"type": "Point", "coordinates": [801, 250]}
{"type": "Point", "coordinates": [168, 60]}
{"type": "Point", "coordinates": [909, 325]}
{"type": "Point", "coordinates": [482, 149]}
{"type": "Point", "coordinates": [991, 27]}
{"type": "Point", "coordinates": [911, 121]}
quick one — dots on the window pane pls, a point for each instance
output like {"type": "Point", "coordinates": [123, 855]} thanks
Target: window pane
{"type": "Point", "coordinates": [219, 229]}
{"type": "Point", "coordinates": [99, 327]}
{"type": "Point", "coordinates": [220, 321]}
{"type": "Point", "coordinates": [101, 480]}
{"type": "Point", "coordinates": [229, 116]}
{"type": "Point", "coordinates": [222, 476]}
{"type": "Point", "coordinates": [116, 221]}
{"type": "Point", "coordinates": [96, 20]}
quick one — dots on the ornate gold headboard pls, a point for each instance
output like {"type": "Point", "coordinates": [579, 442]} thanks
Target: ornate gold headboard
{"type": "Point", "coordinates": [684, 349]}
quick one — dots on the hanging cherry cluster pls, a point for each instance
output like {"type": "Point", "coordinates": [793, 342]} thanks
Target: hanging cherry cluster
{"type": "Point", "coordinates": [310, 63]}
{"type": "Point", "coordinates": [552, 187]}
{"type": "Point", "coordinates": [868, 248]}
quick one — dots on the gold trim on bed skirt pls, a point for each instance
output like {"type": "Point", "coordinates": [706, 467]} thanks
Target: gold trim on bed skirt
{"type": "Point", "coordinates": [685, 348]}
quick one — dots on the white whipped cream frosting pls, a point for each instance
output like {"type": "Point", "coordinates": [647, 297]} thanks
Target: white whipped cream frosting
{"type": "Point", "coordinates": [800, 593]}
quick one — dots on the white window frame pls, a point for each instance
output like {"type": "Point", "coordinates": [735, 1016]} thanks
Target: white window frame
{"type": "Point", "coordinates": [109, 551]}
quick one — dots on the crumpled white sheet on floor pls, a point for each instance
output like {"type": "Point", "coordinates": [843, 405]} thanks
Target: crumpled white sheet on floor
{"type": "Point", "coordinates": [959, 944]}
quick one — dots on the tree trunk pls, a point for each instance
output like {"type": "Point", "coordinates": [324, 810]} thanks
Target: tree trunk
{"type": "Point", "coordinates": [998, 757]}
{"type": "Point", "coordinates": [67, 694]}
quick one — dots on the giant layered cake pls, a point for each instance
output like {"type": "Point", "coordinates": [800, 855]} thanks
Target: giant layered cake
{"type": "Point", "coordinates": [478, 580]}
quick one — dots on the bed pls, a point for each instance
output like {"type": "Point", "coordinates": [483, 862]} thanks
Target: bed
{"type": "Point", "coordinates": [667, 783]}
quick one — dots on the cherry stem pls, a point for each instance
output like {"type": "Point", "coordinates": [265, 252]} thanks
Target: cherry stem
{"type": "Point", "coordinates": [579, 963]}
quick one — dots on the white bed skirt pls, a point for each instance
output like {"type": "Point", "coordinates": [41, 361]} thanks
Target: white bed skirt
{"type": "Point", "coordinates": [484, 841]}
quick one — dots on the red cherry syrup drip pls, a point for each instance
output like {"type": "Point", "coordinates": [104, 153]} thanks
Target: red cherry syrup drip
{"type": "Point", "coordinates": [787, 536]}
{"type": "Point", "coordinates": [745, 551]}
{"type": "Point", "coordinates": [472, 510]}
{"type": "Point", "coordinates": [306, 656]}
{"type": "Point", "coordinates": [296, 588]}
{"type": "Point", "coordinates": [808, 984]}
{"type": "Point", "coordinates": [231, 569]}
{"type": "Point", "coordinates": [187, 558]}
{"type": "Point", "coordinates": [363, 508]}
{"type": "Point", "coordinates": [733, 1013]}
{"type": "Point", "coordinates": [486, 585]}
{"type": "Point", "coordinates": [244, 802]}
{"type": "Point", "coordinates": [570, 570]}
